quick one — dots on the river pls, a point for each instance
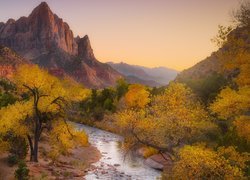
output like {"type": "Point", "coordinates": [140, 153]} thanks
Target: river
{"type": "Point", "coordinates": [113, 165]}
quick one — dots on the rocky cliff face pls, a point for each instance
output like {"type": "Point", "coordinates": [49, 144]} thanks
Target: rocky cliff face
{"type": "Point", "coordinates": [38, 33]}
{"type": "Point", "coordinates": [84, 48]}
{"type": "Point", "coordinates": [87, 69]}
{"type": "Point", "coordinates": [46, 40]}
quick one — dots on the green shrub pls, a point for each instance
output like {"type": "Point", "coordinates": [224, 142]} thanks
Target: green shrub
{"type": "Point", "coordinates": [12, 159]}
{"type": "Point", "coordinates": [7, 99]}
{"type": "Point", "coordinates": [22, 172]}
{"type": "Point", "coordinates": [18, 146]}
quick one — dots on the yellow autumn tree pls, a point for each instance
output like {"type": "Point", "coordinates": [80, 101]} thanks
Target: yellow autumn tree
{"type": "Point", "coordinates": [64, 137]}
{"type": "Point", "coordinates": [173, 118]}
{"type": "Point", "coordinates": [137, 96]}
{"type": "Point", "coordinates": [200, 162]}
{"type": "Point", "coordinates": [182, 115]}
{"type": "Point", "coordinates": [233, 103]}
{"type": "Point", "coordinates": [48, 99]}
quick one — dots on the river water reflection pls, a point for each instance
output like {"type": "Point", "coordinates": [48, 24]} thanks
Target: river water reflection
{"type": "Point", "coordinates": [113, 165]}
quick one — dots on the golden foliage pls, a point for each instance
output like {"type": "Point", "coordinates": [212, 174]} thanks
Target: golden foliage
{"type": "Point", "coordinates": [64, 137]}
{"type": "Point", "coordinates": [137, 96]}
{"type": "Point", "coordinates": [233, 157]}
{"type": "Point", "coordinates": [234, 104]}
{"type": "Point", "coordinates": [33, 77]}
{"type": "Point", "coordinates": [238, 59]}
{"type": "Point", "coordinates": [12, 118]}
{"type": "Point", "coordinates": [242, 125]}
{"type": "Point", "coordinates": [235, 55]}
{"type": "Point", "coordinates": [49, 87]}
{"type": "Point", "coordinates": [199, 162]}
{"type": "Point", "coordinates": [172, 118]}
{"type": "Point", "coordinates": [243, 79]}
{"type": "Point", "coordinates": [49, 99]}
{"type": "Point", "coordinates": [230, 103]}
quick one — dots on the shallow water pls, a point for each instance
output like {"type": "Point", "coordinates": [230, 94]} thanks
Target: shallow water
{"type": "Point", "coordinates": [113, 164]}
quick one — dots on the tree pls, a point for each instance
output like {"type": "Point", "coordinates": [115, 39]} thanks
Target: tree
{"type": "Point", "coordinates": [6, 99]}
{"type": "Point", "coordinates": [64, 137]}
{"type": "Point", "coordinates": [207, 87]}
{"type": "Point", "coordinates": [137, 96]}
{"type": "Point", "coordinates": [107, 99]}
{"type": "Point", "coordinates": [171, 119]}
{"type": "Point", "coordinates": [242, 124]}
{"type": "Point", "coordinates": [49, 98]}
{"type": "Point", "coordinates": [7, 93]}
{"type": "Point", "coordinates": [233, 103]}
{"type": "Point", "coordinates": [121, 88]}
{"type": "Point", "coordinates": [100, 102]}
{"type": "Point", "coordinates": [221, 38]}
{"type": "Point", "coordinates": [200, 162]}
{"type": "Point", "coordinates": [242, 15]}
{"type": "Point", "coordinates": [233, 106]}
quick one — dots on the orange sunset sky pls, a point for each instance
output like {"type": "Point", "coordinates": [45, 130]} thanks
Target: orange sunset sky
{"type": "Point", "coordinates": [171, 33]}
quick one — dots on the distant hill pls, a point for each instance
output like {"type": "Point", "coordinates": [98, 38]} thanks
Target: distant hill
{"type": "Point", "coordinates": [208, 76]}
{"type": "Point", "coordinates": [136, 80]}
{"type": "Point", "coordinates": [212, 64]}
{"type": "Point", "coordinates": [158, 76]}
{"type": "Point", "coordinates": [202, 69]}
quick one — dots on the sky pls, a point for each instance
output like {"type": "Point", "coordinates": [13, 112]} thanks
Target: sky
{"type": "Point", "coordinates": [171, 33]}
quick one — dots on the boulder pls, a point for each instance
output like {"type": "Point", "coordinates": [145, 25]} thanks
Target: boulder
{"type": "Point", "coordinates": [159, 161]}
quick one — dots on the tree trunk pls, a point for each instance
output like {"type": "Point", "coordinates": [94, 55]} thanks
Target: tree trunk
{"type": "Point", "coordinates": [36, 140]}
{"type": "Point", "coordinates": [35, 151]}
{"type": "Point", "coordinates": [31, 148]}
{"type": "Point", "coordinates": [37, 126]}
{"type": "Point", "coordinates": [34, 146]}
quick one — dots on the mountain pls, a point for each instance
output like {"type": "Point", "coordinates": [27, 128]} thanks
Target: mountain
{"type": "Point", "coordinates": [45, 39]}
{"type": "Point", "coordinates": [150, 76]}
{"type": "Point", "coordinates": [209, 76]}
{"type": "Point", "coordinates": [212, 65]}
{"type": "Point", "coordinates": [137, 80]}
{"type": "Point", "coordinates": [202, 69]}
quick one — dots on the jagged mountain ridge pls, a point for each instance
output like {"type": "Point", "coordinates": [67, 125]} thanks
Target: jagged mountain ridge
{"type": "Point", "coordinates": [158, 76]}
{"type": "Point", "coordinates": [46, 40]}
